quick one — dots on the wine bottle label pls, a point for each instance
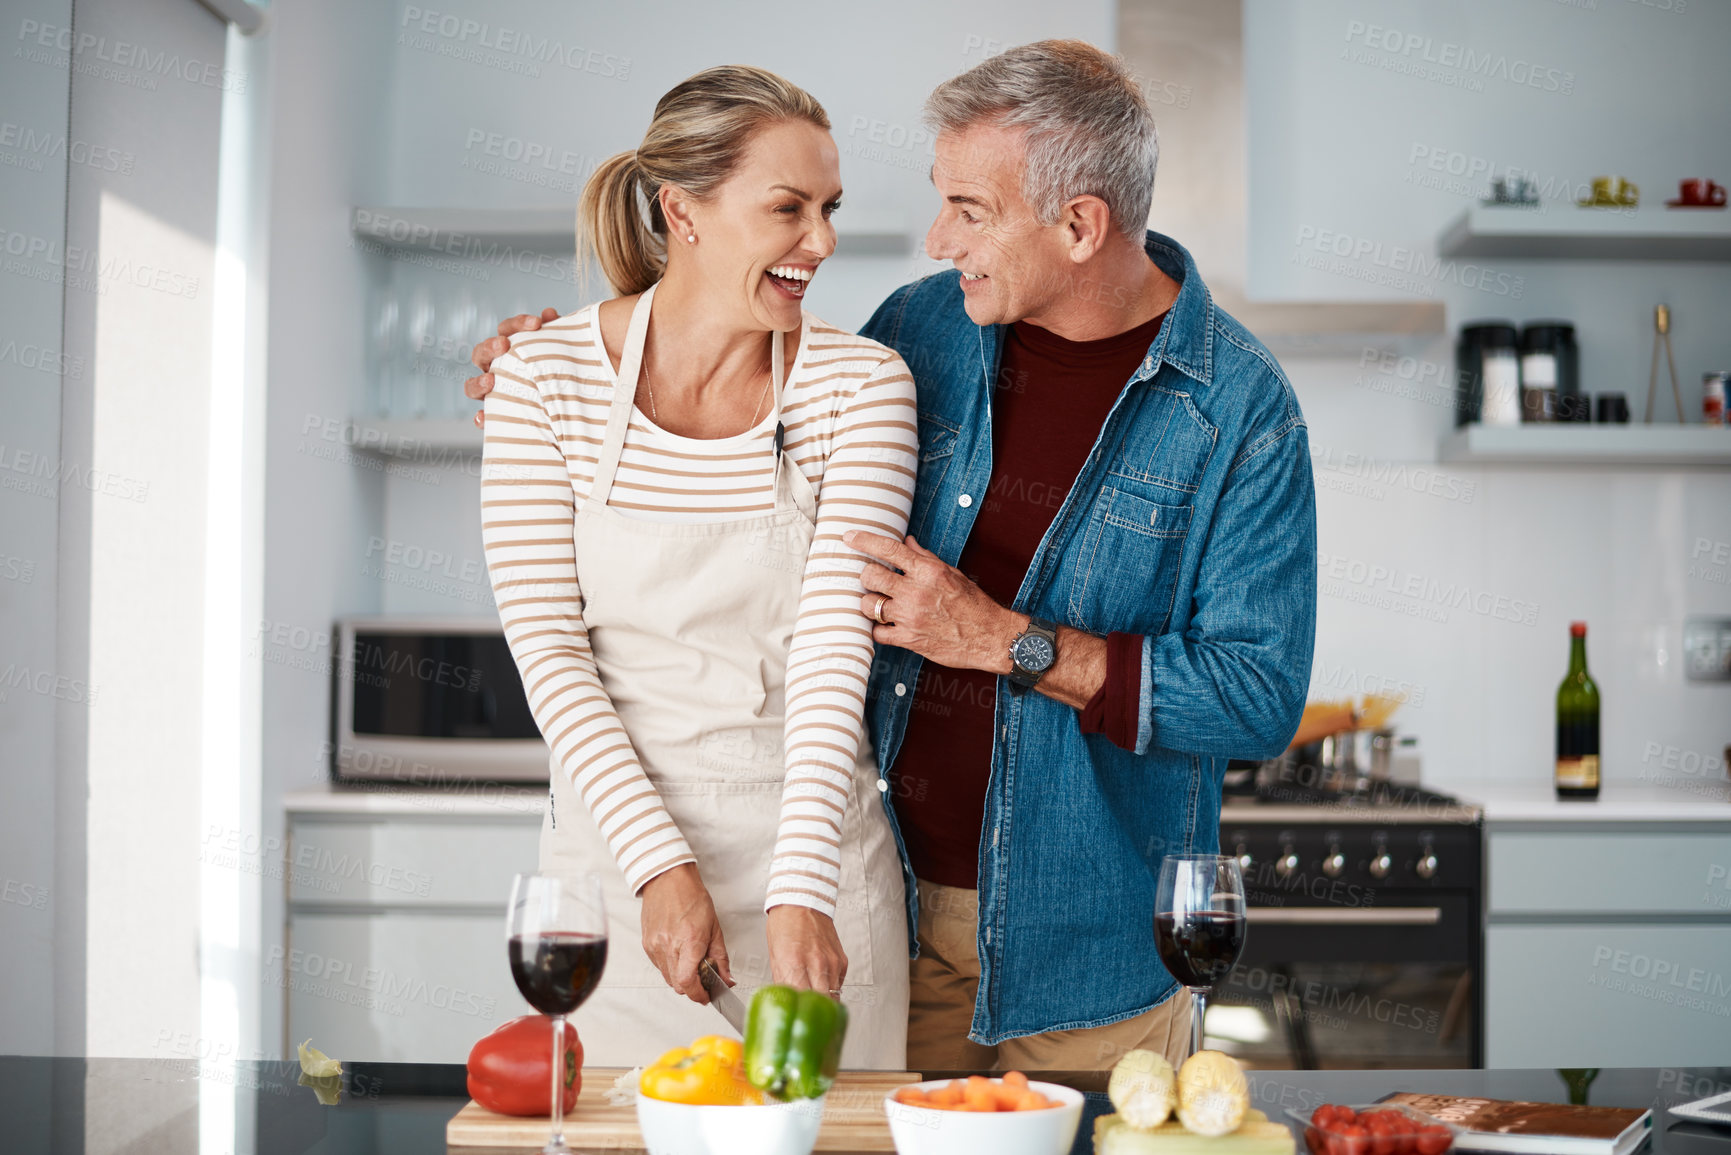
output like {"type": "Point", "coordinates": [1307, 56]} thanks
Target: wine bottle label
{"type": "Point", "coordinates": [1578, 772]}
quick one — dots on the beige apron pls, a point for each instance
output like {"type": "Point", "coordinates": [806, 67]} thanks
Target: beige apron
{"type": "Point", "coordinates": [690, 626]}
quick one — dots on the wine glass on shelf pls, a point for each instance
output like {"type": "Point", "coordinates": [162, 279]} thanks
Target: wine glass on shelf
{"type": "Point", "coordinates": [382, 336]}
{"type": "Point", "coordinates": [1199, 924]}
{"type": "Point", "coordinates": [556, 936]}
{"type": "Point", "coordinates": [458, 329]}
{"type": "Point", "coordinates": [419, 319]}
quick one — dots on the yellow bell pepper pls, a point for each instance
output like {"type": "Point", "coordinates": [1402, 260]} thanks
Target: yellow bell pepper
{"type": "Point", "coordinates": [708, 1073]}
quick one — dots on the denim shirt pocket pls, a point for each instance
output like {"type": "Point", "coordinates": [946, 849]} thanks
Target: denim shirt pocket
{"type": "Point", "coordinates": [937, 446]}
{"type": "Point", "coordinates": [1127, 569]}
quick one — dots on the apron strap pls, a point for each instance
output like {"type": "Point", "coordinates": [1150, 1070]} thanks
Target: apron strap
{"type": "Point", "coordinates": [791, 486]}
{"type": "Point", "coordinates": [624, 398]}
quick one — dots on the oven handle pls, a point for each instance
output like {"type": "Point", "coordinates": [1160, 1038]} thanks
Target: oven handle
{"type": "Point", "coordinates": [1362, 916]}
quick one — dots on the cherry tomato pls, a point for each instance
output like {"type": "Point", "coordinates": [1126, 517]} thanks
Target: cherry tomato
{"type": "Point", "coordinates": [1432, 1140]}
{"type": "Point", "coordinates": [1353, 1139]}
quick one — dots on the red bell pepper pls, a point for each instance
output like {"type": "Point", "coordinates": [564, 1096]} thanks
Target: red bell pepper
{"type": "Point", "coordinates": [510, 1070]}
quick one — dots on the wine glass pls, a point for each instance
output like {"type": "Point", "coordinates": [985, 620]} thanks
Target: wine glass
{"type": "Point", "coordinates": [556, 936]}
{"type": "Point", "coordinates": [457, 315]}
{"type": "Point", "coordinates": [382, 352]}
{"type": "Point", "coordinates": [1199, 924]}
{"type": "Point", "coordinates": [419, 320]}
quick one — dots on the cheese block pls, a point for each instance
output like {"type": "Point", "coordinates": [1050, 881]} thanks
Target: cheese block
{"type": "Point", "coordinates": [1255, 1136]}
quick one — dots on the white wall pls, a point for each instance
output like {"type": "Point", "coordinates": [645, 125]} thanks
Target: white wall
{"type": "Point", "coordinates": [143, 317]}
{"type": "Point", "coordinates": [36, 914]}
{"type": "Point", "coordinates": [1341, 136]}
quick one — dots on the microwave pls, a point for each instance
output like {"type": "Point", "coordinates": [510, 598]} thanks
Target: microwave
{"type": "Point", "coordinates": [430, 702]}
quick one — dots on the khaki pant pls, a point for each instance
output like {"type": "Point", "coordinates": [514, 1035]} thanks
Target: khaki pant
{"type": "Point", "coordinates": [942, 983]}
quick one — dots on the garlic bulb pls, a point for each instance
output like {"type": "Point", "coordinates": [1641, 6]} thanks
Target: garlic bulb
{"type": "Point", "coordinates": [1142, 1089]}
{"type": "Point", "coordinates": [1212, 1094]}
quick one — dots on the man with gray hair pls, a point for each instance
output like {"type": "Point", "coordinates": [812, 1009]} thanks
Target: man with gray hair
{"type": "Point", "coordinates": [1109, 584]}
{"type": "Point", "coordinates": [1108, 588]}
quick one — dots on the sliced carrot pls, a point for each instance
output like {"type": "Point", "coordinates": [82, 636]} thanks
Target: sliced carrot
{"type": "Point", "coordinates": [980, 1094]}
{"type": "Point", "coordinates": [949, 1095]}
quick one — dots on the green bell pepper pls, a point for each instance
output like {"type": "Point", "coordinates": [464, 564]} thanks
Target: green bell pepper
{"type": "Point", "coordinates": [793, 1041]}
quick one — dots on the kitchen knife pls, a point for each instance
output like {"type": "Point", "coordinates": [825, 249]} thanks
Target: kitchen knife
{"type": "Point", "coordinates": [721, 996]}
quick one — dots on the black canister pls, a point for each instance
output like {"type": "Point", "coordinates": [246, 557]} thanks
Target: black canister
{"type": "Point", "coordinates": [1551, 373]}
{"type": "Point", "coordinates": [1487, 374]}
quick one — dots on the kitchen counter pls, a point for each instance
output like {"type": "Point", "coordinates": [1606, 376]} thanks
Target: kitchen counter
{"type": "Point", "coordinates": [159, 1105]}
{"type": "Point", "coordinates": [391, 799]}
{"type": "Point", "coordinates": [1678, 798]}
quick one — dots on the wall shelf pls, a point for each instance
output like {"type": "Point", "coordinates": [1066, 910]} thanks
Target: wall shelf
{"type": "Point", "coordinates": [458, 232]}
{"type": "Point", "coordinates": [1614, 445]}
{"type": "Point", "coordinates": [1568, 233]}
{"type": "Point", "coordinates": [1335, 327]}
{"type": "Point", "coordinates": [436, 439]}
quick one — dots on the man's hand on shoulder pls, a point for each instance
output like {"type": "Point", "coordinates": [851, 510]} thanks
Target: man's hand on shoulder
{"type": "Point", "coordinates": [490, 350]}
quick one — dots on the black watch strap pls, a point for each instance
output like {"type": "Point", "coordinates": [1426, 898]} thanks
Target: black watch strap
{"type": "Point", "coordinates": [1021, 675]}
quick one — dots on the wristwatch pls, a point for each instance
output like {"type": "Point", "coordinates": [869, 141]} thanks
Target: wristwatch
{"type": "Point", "coordinates": [1033, 652]}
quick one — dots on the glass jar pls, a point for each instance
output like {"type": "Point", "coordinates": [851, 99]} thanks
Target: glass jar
{"type": "Point", "coordinates": [1488, 374]}
{"type": "Point", "coordinates": [1551, 373]}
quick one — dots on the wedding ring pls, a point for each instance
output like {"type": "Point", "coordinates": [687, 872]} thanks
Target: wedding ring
{"type": "Point", "coordinates": [878, 610]}
{"type": "Point", "coordinates": [836, 993]}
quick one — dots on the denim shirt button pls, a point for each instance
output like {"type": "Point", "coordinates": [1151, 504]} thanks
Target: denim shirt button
{"type": "Point", "coordinates": [965, 500]}
{"type": "Point", "coordinates": [901, 689]}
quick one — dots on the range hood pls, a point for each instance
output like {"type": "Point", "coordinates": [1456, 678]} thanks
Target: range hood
{"type": "Point", "coordinates": [1189, 58]}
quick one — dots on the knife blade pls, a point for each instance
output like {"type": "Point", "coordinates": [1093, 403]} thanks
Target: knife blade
{"type": "Point", "coordinates": [730, 1006]}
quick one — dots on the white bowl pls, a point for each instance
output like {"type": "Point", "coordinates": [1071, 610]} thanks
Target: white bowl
{"type": "Point", "coordinates": [933, 1131]}
{"type": "Point", "coordinates": [772, 1129]}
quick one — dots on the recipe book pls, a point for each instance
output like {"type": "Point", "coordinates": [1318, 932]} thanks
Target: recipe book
{"type": "Point", "coordinates": [1502, 1125]}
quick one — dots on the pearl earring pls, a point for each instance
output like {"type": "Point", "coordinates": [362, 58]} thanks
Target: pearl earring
{"type": "Point", "coordinates": [691, 238]}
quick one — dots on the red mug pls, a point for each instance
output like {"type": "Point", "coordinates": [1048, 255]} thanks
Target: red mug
{"type": "Point", "coordinates": [1699, 192]}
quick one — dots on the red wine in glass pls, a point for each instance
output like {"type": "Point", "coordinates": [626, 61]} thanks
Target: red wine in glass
{"type": "Point", "coordinates": [1200, 948]}
{"type": "Point", "coordinates": [556, 939]}
{"type": "Point", "coordinates": [557, 971]}
{"type": "Point", "coordinates": [1199, 925]}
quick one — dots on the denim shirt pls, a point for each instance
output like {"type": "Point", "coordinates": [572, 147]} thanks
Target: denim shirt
{"type": "Point", "coordinates": [1193, 524]}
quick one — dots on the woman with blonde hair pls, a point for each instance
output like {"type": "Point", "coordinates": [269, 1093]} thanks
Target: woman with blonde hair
{"type": "Point", "coordinates": [667, 477]}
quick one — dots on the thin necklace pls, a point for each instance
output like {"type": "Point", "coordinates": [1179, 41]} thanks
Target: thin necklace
{"type": "Point", "coordinates": [655, 417]}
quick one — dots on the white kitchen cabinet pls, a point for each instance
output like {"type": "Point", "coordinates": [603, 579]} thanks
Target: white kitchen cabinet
{"type": "Point", "coordinates": [394, 949]}
{"type": "Point", "coordinates": [396, 985]}
{"type": "Point", "coordinates": [1607, 994]}
{"type": "Point", "coordinates": [1608, 944]}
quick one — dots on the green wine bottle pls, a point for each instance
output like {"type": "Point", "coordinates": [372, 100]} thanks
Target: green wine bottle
{"type": "Point", "coordinates": [1578, 723]}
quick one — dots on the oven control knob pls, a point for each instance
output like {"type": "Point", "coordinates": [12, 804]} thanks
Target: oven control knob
{"type": "Point", "coordinates": [1425, 867]}
{"type": "Point", "coordinates": [1334, 863]}
{"type": "Point", "coordinates": [1287, 863]}
{"type": "Point", "coordinates": [1244, 859]}
{"type": "Point", "coordinates": [1381, 863]}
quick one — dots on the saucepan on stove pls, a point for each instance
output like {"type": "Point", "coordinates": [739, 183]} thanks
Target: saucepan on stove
{"type": "Point", "coordinates": [1340, 748]}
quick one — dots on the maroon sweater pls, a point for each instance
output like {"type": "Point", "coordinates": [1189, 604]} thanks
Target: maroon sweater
{"type": "Point", "coordinates": [1051, 400]}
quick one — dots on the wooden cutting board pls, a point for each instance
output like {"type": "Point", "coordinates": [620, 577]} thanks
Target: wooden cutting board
{"type": "Point", "coordinates": [853, 1117]}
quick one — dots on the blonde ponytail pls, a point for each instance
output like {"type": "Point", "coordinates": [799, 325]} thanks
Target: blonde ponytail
{"type": "Point", "coordinates": [612, 227]}
{"type": "Point", "coordinates": [696, 139]}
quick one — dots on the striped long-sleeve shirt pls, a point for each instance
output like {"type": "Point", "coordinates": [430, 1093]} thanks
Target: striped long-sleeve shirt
{"type": "Point", "coordinates": [848, 407]}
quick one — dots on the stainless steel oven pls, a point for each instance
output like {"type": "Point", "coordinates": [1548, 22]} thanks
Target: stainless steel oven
{"type": "Point", "coordinates": [1365, 935]}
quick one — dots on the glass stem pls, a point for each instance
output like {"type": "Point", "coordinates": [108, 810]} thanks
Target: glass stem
{"type": "Point", "coordinates": [557, 1141]}
{"type": "Point", "coordinates": [1199, 1009]}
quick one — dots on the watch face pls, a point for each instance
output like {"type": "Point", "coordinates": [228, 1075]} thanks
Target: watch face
{"type": "Point", "coordinates": [1034, 652]}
